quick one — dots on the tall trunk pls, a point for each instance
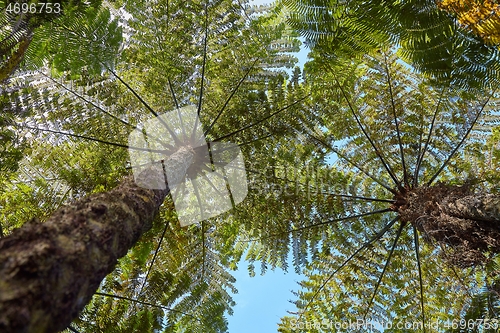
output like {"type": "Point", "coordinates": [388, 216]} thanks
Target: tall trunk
{"type": "Point", "coordinates": [469, 223]}
{"type": "Point", "coordinates": [49, 271]}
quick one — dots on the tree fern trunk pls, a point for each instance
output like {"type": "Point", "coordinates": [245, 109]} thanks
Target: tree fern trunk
{"type": "Point", "coordinates": [469, 223]}
{"type": "Point", "coordinates": [12, 63]}
{"type": "Point", "coordinates": [49, 271]}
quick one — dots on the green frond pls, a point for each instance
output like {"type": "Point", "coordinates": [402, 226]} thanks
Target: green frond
{"type": "Point", "coordinates": [428, 38]}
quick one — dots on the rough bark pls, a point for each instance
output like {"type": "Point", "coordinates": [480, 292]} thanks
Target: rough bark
{"type": "Point", "coordinates": [49, 271]}
{"type": "Point", "coordinates": [469, 223]}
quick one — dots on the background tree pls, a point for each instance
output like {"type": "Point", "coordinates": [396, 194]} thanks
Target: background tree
{"type": "Point", "coordinates": [23, 22]}
{"type": "Point", "coordinates": [483, 18]}
{"type": "Point", "coordinates": [32, 37]}
{"type": "Point", "coordinates": [427, 38]}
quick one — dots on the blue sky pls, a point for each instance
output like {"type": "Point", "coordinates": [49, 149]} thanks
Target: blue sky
{"type": "Point", "coordinates": [262, 300]}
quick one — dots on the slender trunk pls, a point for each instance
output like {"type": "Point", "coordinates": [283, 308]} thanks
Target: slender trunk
{"type": "Point", "coordinates": [12, 63]}
{"type": "Point", "coordinates": [469, 223]}
{"type": "Point", "coordinates": [49, 271]}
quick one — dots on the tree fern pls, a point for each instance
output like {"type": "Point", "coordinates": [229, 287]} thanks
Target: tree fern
{"type": "Point", "coordinates": [403, 279]}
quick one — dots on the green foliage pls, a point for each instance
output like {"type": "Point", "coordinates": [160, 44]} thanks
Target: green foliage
{"type": "Point", "coordinates": [318, 189]}
{"type": "Point", "coordinates": [12, 149]}
{"type": "Point", "coordinates": [13, 146]}
{"type": "Point", "coordinates": [426, 37]}
{"type": "Point", "coordinates": [481, 311]}
{"type": "Point", "coordinates": [34, 34]}
{"type": "Point", "coordinates": [86, 40]}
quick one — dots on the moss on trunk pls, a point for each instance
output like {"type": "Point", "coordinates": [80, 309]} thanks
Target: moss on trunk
{"type": "Point", "coordinates": [49, 271]}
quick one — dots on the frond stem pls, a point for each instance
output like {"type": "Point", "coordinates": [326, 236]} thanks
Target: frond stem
{"type": "Point", "coordinates": [230, 97]}
{"type": "Point", "coordinates": [261, 120]}
{"type": "Point", "coordinates": [379, 281]}
{"type": "Point", "coordinates": [148, 304]}
{"type": "Point", "coordinates": [358, 121]}
{"type": "Point", "coordinates": [461, 141]}
{"type": "Point", "coordinates": [364, 246]}
{"type": "Point", "coordinates": [393, 105]}
{"type": "Point", "coordinates": [421, 156]}
{"type": "Point", "coordinates": [420, 280]}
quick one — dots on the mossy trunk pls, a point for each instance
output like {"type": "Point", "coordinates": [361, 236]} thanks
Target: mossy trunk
{"type": "Point", "coordinates": [49, 271]}
{"type": "Point", "coordinates": [468, 222]}
{"type": "Point", "coordinates": [12, 63]}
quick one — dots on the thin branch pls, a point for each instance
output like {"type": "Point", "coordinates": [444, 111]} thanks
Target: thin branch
{"type": "Point", "coordinates": [358, 121]}
{"type": "Point", "coordinates": [167, 146]}
{"type": "Point", "coordinates": [148, 304]}
{"type": "Point", "coordinates": [87, 101]}
{"type": "Point", "coordinates": [171, 88]}
{"type": "Point", "coordinates": [421, 156]}
{"type": "Point", "coordinates": [92, 139]}
{"type": "Point", "coordinates": [72, 329]}
{"type": "Point", "coordinates": [177, 107]}
{"type": "Point", "coordinates": [230, 97]}
{"type": "Point", "coordinates": [420, 137]}
{"type": "Point", "coordinates": [143, 102]}
{"type": "Point", "coordinates": [214, 172]}
{"type": "Point", "coordinates": [203, 67]}
{"type": "Point", "coordinates": [203, 250]}
{"type": "Point", "coordinates": [129, 88]}
{"type": "Point", "coordinates": [244, 11]}
{"type": "Point", "coordinates": [261, 120]}
{"type": "Point", "coordinates": [201, 148]}
{"type": "Point", "coordinates": [356, 197]}
{"type": "Point", "coordinates": [391, 201]}
{"type": "Point", "coordinates": [464, 285]}
{"type": "Point", "coordinates": [319, 224]}
{"type": "Point", "coordinates": [154, 257]}
{"type": "Point", "coordinates": [170, 85]}
{"type": "Point", "coordinates": [335, 150]}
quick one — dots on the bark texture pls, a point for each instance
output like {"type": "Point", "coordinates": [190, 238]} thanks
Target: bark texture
{"type": "Point", "coordinates": [49, 271]}
{"type": "Point", "coordinates": [452, 215]}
